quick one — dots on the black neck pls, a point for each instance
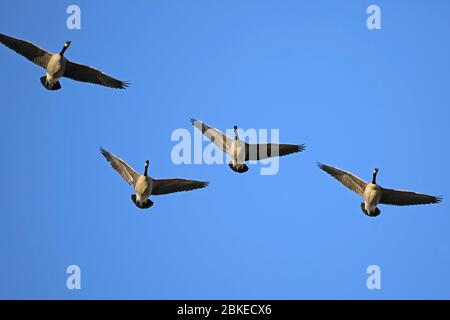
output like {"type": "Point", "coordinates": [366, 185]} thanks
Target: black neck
{"type": "Point", "coordinates": [63, 50]}
{"type": "Point", "coordinates": [145, 171]}
{"type": "Point", "coordinates": [374, 178]}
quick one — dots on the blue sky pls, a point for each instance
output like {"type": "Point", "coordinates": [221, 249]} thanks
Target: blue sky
{"type": "Point", "coordinates": [357, 98]}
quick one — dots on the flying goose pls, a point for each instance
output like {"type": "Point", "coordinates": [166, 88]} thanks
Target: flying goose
{"type": "Point", "coordinates": [57, 66]}
{"type": "Point", "coordinates": [146, 186]}
{"type": "Point", "coordinates": [373, 194]}
{"type": "Point", "coordinates": [241, 151]}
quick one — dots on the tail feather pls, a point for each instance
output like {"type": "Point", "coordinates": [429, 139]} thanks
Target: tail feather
{"type": "Point", "coordinates": [375, 214]}
{"type": "Point", "coordinates": [240, 168]}
{"type": "Point", "coordinates": [146, 205]}
{"type": "Point", "coordinates": [50, 86]}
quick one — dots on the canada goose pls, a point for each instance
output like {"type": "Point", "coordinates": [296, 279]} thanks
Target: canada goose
{"type": "Point", "coordinates": [146, 186]}
{"type": "Point", "coordinates": [373, 194]}
{"type": "Point", "coordinates": [57, 66]}
{"type": "Point", "coordinates": [241, 151]}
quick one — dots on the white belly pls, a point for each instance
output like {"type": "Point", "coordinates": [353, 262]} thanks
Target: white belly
{"type": "Point", "coordinates": [51, 78]}
{"type": "Point", "coordinates": [237, 152]}
{"type": "Point", "coordinates": [143, 188]}
{"type": "Point", "coordinates": [55, 68]}
{"type": "Point", "coordinates": [372, 196]}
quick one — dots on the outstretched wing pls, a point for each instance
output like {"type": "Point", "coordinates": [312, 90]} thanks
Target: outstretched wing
{"type": "Point", "coordinates": [84, 73]}
{"type": "Point", "coordinates": [264, 151]}
{"type": "Point", "coordinates": [406, 198]}
{"type": "Point", "coordinates": [346, 178]}
{"type": "Point", "coordinates": [27, 49]}
{"type": "Point", "coordinates": [127, 172]}
{"type": "Point", "coordinates": [165, 186]}
{"type": "Point", "coordinates": [215, 135]}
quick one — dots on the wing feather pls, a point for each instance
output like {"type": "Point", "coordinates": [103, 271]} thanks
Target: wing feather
{"type": "Point", "coordinates": [215, 135]}
{"type": "Point", "coordinates": [264, 151]}
{"type": "Point", "coordinates": [165, 186]}
{"type": "Point", "coordinates": [349, 180]}
{"type": "Point", "coordinates": [406, 198]}
{"type": "Point", "coordinates": [27, 49]}
{"type": "Point", "coordinates": [84, 73]}
{"type": "Point", "coordinates": [127, 172]}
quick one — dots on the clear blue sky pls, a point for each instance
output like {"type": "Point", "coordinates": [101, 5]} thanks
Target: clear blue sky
{"type": "Point", "coordinates": [357, 98]}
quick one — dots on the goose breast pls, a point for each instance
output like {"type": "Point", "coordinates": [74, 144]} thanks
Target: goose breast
{"type": "Point", "coordinates": [56, 66]}
{"type": "Point", "coordinates": [372, 195]}
{"type": "Point", "coordinates": [143, 187]}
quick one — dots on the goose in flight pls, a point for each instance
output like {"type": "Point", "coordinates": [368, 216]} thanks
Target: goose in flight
{"type": "Point", "coordinates": [241, 151]}
{"type": "Point", "coordinates": [373, 194]}
{"type": "Point", "coordinates": [57, 65]}
{"type": "Point", "coordinates": [146, 186]}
